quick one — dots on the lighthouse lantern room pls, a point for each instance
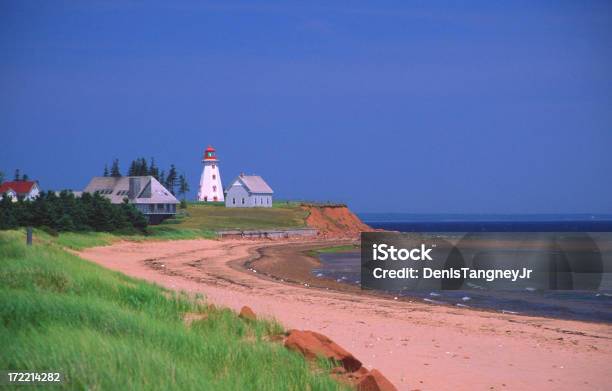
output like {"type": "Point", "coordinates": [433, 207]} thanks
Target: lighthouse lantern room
{"type": "Point", "coordinates": [211, 189]}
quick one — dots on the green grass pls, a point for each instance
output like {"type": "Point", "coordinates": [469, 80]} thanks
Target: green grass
{"type": "Point", "coordinates": [213, 217]}
{"type": "Point", "coordinates": [82, 240]}
{"type": "Point", "coordinates": [106, 331]}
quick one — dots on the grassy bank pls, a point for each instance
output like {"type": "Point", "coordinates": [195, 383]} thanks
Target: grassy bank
{"type": "Point", "coordinates": [104, 330]}
{"type": "Point", "coordinates": [215, 217]}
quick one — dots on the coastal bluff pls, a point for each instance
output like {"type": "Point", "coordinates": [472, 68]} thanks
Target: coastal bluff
{"type": "Point", "coordinates": [334, 220]}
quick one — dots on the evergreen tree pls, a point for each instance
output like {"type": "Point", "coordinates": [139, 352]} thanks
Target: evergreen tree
{"type": "Point", "coordinates": [162, 178]}
{"type": "Point", "coordinates": [134, 217]}
{"type": "Point", "coordinates": [139, 167]}
{"type": "Point", "coordinates": [105, 170]}
{"type": "Point", "coordinates": [133, 170]}
{"type": "Point", "coordinates": [17, 175]}
{"type": "Point", "coordinates": [65, 223]}
{"type": "Point", "coordinates": [65, 212]}
{"type": "Point", "coordinates": [115, 172]}
{"type": "Point", "coordinates": [171, 179]}
{"type": "Point", "coordinates": [153, 170]}
{"type": "Point", "coordinates": [144, 169]}
{"type": "Point", "coordinates": [8, 219]}
{"type": "Point", "coordinates": [183, 186]}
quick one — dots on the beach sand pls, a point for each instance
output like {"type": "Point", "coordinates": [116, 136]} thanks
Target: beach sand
{"type": "Point", "coordinates": [416, 345]}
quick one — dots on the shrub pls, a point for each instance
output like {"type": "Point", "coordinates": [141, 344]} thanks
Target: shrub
{"type": "Point", "coordinates": [66, 213]}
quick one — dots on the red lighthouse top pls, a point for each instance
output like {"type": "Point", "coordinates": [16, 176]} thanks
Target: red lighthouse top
{"type": "Point", "coordinates": [210, 153]}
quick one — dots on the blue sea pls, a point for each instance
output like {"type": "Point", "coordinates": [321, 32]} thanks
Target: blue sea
{"type": "Point", "coordinates": [405, 222]}
{"type": "Point", "coordinates": [578, 305]}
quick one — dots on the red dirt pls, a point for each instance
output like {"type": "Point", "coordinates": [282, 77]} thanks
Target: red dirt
{"type": "Point", "coordinates": [247, 313]}
{"type": "Point", "coordinates": [350, 371]}
{"type": "Point", "coordinates": [312, 345]}
{"type": "Point", "coordinates": [335, 221]}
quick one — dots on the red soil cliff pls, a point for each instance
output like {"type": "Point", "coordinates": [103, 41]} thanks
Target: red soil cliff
{"type": "Point", "coordinates": [334, 220]}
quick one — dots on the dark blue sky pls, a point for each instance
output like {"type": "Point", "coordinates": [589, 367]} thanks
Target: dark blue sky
{"type": "Point", "coordinates": [494, 107]}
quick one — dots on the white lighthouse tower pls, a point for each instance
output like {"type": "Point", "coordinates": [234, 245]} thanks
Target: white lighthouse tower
{"type": "Point", "coordinates": [211, 189]}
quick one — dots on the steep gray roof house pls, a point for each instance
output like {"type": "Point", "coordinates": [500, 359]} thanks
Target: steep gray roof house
{"type": "Point", "coordinates": [144, 192]}
{"type": "Point", "coordinates": [249, 191]}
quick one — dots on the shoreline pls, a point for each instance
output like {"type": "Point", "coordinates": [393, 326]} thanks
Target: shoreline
{"type": "Point", "coordinates": [412, 343]}
{"type": "Point", "coordinates": [284, 270]}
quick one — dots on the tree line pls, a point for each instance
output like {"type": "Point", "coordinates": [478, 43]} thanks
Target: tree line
{"type": "Point", "coordinates": [175, 183]}
{"type": "Point", "coordinates": [65, 212]}
{"type": "Point", "coordinates": [17, 177]}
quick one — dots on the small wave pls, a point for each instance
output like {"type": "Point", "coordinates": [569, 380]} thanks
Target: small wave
{"type": "Point", "coordinates": [530, 289]}
{"type": "Point", "coordinates": [434, 294]}
{"type": "Point", "coordinates": [466, 298]}
{"type": "Point", "coordinates": [319, 274]}
{"type": "Point", "coordinates": [472, 285]}
{"type": "Point", "coordinates": [509, 312]}
{"type": "Point", "coordinates": [462, 305]}
{"type": "Point", "coordinates": [433, 301]}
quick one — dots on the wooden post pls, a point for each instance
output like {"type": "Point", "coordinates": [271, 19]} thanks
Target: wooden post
{"type": "Point", "coordinates": [29, 236]}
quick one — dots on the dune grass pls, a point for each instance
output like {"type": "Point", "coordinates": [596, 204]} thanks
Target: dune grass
{"type": "Point", "coordinates": [106, 331]}
{"type": "Point", "coordinates": [83, 240]}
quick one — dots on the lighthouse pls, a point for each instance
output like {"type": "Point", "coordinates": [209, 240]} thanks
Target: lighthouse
{"type": "Point", "coordinates": [211, 189]}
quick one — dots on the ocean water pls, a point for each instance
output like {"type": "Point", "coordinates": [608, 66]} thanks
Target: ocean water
{"type": "Point", "coordinates": [405, 222]}
{"type": "Point", "coordinates": [579, 305]}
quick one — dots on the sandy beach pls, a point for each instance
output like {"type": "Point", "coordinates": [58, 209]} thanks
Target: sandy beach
{"type": "Point", "coordinates": [416, 345]}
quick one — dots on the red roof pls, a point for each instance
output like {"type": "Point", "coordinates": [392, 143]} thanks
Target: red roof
{"type": "Point", "coordinates": [209, 149]}
{"type": "Point", "coordinates": [20, 187]}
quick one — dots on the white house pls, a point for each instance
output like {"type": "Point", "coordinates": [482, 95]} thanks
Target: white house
{"type": "Point", "coordinates": [27, 190]}
{"type": "Point", "coordinates": [249, 191]}
{"type": "Point", "coordinates": [144, 192]}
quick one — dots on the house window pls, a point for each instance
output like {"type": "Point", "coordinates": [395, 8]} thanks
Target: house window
{"type": "Point", "coordinates": [213, 166]}
{"type": "Point", "coordinates": [214, 176]}
{"type": "Point", "coordinates": [214, 188]}
{"type": "Point", "coordinates": [215, 198]}
{"type": "Point", "coordinates": [233, 200]}
{"type": "Point", "coordinates": [243, 201]}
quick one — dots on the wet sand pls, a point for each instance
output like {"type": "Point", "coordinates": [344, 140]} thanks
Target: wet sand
{"type": "Point", "coordinates": [416, 345]}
